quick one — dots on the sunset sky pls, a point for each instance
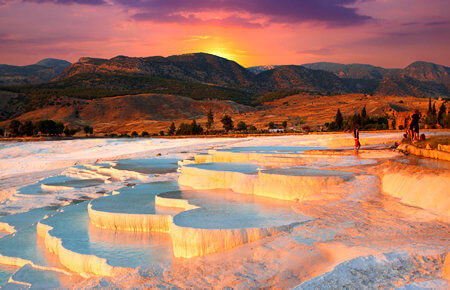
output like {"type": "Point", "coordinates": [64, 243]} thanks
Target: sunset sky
{"type": "Point", "coordinates": [389, 33]}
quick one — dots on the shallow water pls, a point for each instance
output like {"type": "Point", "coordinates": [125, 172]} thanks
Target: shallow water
{"type": "Point", "coordinates": [148, 166]}
{"type": "Point", "coordinates": [307, 172]}
{"type": "Point", "coordinates": [73, 228]}
{"type": "Point", "coordinates": [222, 166]}
{"type": "Point", "coordinates": [272, 149]}
{"type": "Point", "coordinates": [425, 162]}
{"type": "Point", "coordinates": [139, 198]}
{"type": "Point", "coordinates": [223, 209]}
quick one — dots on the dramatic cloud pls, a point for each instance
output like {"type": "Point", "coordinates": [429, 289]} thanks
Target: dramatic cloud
{"type": "Point", "coordinates": [330, 12]}
{"type": "Point", "coordinates": [69, 2]}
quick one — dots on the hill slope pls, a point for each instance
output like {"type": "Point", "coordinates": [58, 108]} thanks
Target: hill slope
{"type": "Point", "coordinates": [350, 71]}
{"type": "Point", "coordinates": [130, 112]}
{"type": "Point", "coordinates": [298, 77]}
{"type": "Point", "coordinates": [196, 67]}
{"type": "Point", "coordinates": [428, 72]}
{"type": "Point", "coordinates": [42, 71]}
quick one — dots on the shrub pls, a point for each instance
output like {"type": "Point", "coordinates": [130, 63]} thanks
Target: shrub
{"type": "Point", "coordinates": [134, 134]}
{"type": "Point", "coordinates": [145, 134]}
{"type": "Point", "coordinates": [88, 130]}
{"type": "Point", "coordinates": [189, 129]}
{"type": "Point", "coordinates": [241, 126]}
{"type": "Point", "coordinates": [210, 120]}
{"type": "Point", "coordinates": [14, 128]}
{"type": "Point", "coordinates": [50, 127]}
{"type": "Point", "coordinates": [252, 129]}
{"type": "Point", "coordinates": [172, 129]}
{"type": "Point", "coordinates": [69, 132]}
{"type": "Point", "coordinates": [27, 129]}
{"type": "Point", "coordinates": [227, 123]}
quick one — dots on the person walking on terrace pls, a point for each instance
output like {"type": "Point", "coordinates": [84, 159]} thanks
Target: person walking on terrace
{"type": "Point", "coordinates": [414, 125]}
{"type": "Point", "coordinates": [356, 137]}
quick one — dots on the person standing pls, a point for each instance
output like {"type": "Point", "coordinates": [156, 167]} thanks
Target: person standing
{"type": "Point", "coordinates": [356, 137]}
{"type": "Point", "coordinates": [414, 125]}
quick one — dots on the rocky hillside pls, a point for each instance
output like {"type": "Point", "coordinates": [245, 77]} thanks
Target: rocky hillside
{"type": "Point", "coordinates": [196, 67]}
{"type": "Point", "coordinates": [298, 77]}
{"type": "Point", "coordinates": [261, 68]}
{"type": "Point", "coordinates": [422, 79]}
{"type": "Point", "coordinates": [428, 72]}
{"type": "Point", "coordinates": [40, 72]}
{"type": "Point", "coordinates": [402, 85]}
{"type": "Point", "coordinates": [351, 71]}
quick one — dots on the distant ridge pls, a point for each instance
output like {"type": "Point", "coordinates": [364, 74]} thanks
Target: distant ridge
{"type": "Point", "coordinates": [261, 68]}
{"type": "Point", "coordinates": [40, 72]}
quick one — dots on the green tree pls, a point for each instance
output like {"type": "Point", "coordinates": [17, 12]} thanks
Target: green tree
{"type": "Point", "coordinates": [195, 129]}
{"type": "Point", "coordinates": [363, 116]}
{"type": "Point", "coordinates": [442, 115]}
{"type": "Point", "coordinates": [134, 134]}
{"type": "Point", "coordinates": [183, 129]}
{"type": "Point", "coordinates": [252, 128]}
{"type": "Point", "coordinates": [59, 128]}
{"type": "Point", "coordinates": [69, 132]}
{"type": "Point", "coordinates": [172, 129]}
{"type": "Point", "coordinates": [14, 128]}
{"type": "Point", "coordinates": [145, 134]}
{"type": "Point", "coordinates": [271, 125]}
{"type": "Point", "coordinates": [227, 123]}
{"type": "Point", "coordinates": [210, 119]}
{"type": "Point", "coordinates": [50, 127]}
{"type": "Point", "coordinates": [27, 128]}
{"type": "Point", "coordinates": [339, 120]}
{"type": "Point", "coordinates": [284, 124]}
{"type": "Point", "coordinates": [241, 126]}
{"type": "Point", "coordinates": [88, 130]}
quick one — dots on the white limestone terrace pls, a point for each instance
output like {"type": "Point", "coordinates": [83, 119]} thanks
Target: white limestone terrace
{"type": "Point", "coordinates": [295, 184]}
{"type": "Point", "coordinates": [343, 220]}
{"type": "Point", "coordinates": [228, 219]}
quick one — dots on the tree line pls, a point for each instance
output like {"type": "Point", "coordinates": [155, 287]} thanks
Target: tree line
{"type": "Point", "coordinates": [435, 118]}
{"type": "Point", "coordinates": [362, 120]}
{"type": "Point", "coordinates": [43, 128]}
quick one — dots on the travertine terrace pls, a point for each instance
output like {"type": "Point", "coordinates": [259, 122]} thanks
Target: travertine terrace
{"type": "Point", "coordinates": [308, 209]}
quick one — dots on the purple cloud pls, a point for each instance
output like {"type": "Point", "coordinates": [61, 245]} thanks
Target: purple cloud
{"type": "Point", "coordinates": [329, 12]}
{"type": "Point", "coordinates": [69, 2]}
{"type": "Point", "coordinates": [437, 23]}
{"type": "Point", "coordinates": [320, 51]}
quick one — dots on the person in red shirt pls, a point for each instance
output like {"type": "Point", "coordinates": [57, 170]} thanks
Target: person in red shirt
{"type": "Point", "coordinates": [356, 137]}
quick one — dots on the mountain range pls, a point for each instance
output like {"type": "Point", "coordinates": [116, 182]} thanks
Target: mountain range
{"type": "Point", "coordinates": [40, 72]}
{"type": "Point", "coordinates": [202, 76]}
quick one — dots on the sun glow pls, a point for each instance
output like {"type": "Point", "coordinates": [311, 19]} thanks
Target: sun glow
{"type": "Point", "coordinates": [223, 53]}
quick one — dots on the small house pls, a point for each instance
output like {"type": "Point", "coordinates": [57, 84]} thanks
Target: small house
{"type": "Point", "coordinates": [398, 116]}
